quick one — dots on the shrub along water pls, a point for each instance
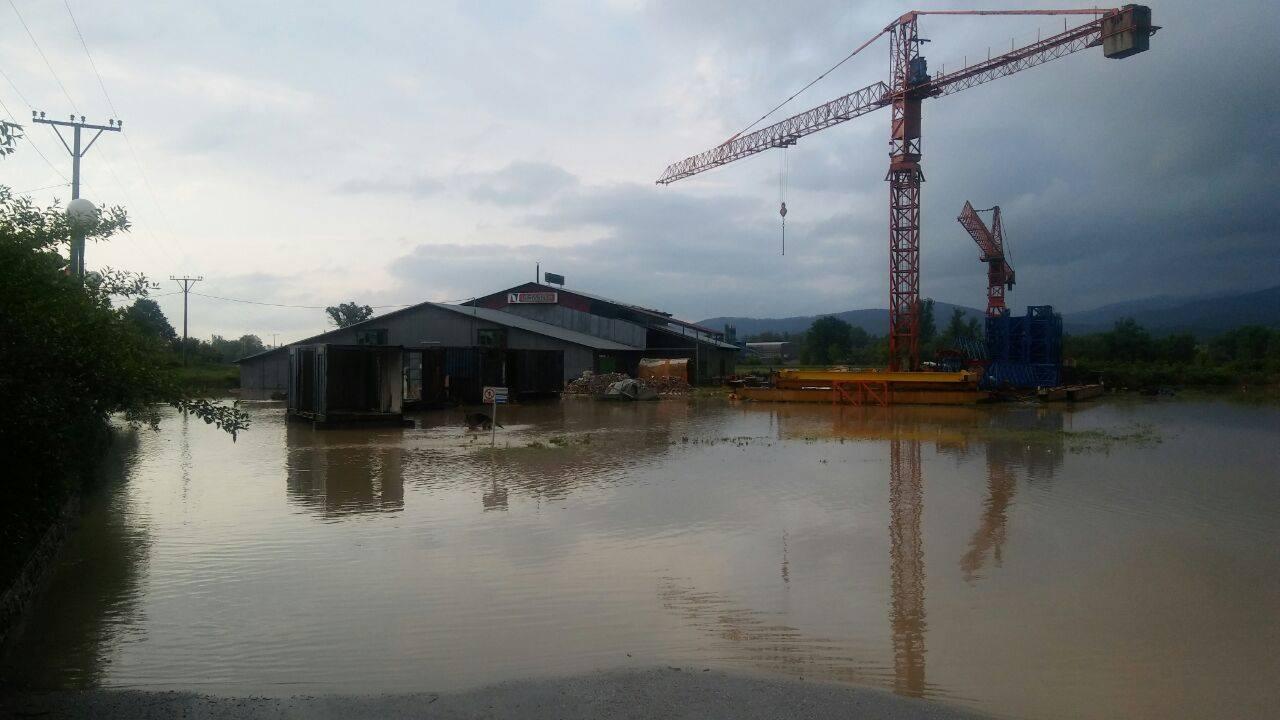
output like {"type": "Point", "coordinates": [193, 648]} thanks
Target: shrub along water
{"type": "Point", "coordinates": [1129, 356]}
{"type": "Point", "coordinates": [69, 361]}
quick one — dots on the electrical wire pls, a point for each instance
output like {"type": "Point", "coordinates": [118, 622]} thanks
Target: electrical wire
{"type": "Point", "coordinates": [46, 187]}
{"type": "Point", "coordinates": [26, 137]}
{"type": "Point", "coordinates": [146, 181]}
{"type": "Point", "coordinates": [92, 64]}
{"type": "Point", "coordinates": [105, 157]}
{"type": "Point", "coordinates": [311, 307]}
{"type": "Point", "coordinates": [45, 58]}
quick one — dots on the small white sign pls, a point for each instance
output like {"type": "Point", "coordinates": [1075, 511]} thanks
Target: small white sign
{"type": "Point", "coordinates": [494, 395]}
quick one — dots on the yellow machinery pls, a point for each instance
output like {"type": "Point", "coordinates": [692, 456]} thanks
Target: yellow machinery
{"type": "Point", "coordinates": [862, 387]}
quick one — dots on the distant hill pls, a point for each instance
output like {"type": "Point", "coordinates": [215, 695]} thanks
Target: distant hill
{"type": "Point", "coordinates": [1203, 316]}
{"type": "Point", "coordinates": [875, 321]}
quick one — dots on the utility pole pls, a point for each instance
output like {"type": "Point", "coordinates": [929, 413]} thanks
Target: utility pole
{"type": "Point", "coordinates": [186, 283]}
{"type": "Point", "coordinates": [113, 125]}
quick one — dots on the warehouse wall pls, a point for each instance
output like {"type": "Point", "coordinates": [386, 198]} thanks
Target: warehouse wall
{"type": "Point", "coordinates": [260, 377]}
{"type": "Point", "coordinates": [627, 333]}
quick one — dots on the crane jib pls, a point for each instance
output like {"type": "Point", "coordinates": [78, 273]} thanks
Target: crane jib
{"type": "Point", "coordinates": [1128, 27]}
{"type": "Point", "coordinates": [1121, 32]}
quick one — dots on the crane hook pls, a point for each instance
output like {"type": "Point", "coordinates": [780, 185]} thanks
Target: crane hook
{"type": "Point", "coordinates": [783, 212]}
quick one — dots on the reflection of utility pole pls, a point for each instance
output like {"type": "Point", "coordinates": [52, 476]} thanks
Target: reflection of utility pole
{"type": "Point", "coordinates": [186, 283]}
{"type": "Point", "coordinates": [77, 241]}
{"type": "Point", "coordinates": [906, 550]}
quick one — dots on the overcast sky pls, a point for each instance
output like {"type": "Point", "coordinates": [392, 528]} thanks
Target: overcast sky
{"type": "Point", "coordinates": [307, 153]}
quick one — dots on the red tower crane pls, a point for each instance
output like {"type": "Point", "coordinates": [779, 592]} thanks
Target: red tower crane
{"type": "Point", "coordinates": [991, 243]}
{"type": "Point", "coordinates": [1120, 31]}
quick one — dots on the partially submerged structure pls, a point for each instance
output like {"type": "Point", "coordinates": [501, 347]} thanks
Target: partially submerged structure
{"type": "Point", "coordinates": [336, 385]}
{"type": "Point", "coordinates": [531, 338]}
{"type": "Point", "coordinates": [650, 333]}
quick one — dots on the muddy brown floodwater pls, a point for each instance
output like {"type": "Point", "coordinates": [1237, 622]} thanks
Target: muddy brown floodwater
{"type": "Point", "coordinates": [1117, 560]}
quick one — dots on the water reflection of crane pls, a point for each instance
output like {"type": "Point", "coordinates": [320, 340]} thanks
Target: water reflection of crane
{"type": "Point", "coordinates": [783, 648]}
{"type": "Point", "coordinates": [1007, 459]}
{"type": "Point", "coordinates": [906, 550]}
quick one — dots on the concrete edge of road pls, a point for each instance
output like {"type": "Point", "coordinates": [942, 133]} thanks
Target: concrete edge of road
{"type": "Point", "coordinates": [615, 695]}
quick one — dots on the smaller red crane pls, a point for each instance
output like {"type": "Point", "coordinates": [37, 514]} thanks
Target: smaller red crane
{"type": "Point", "coordinates": [991, 243]}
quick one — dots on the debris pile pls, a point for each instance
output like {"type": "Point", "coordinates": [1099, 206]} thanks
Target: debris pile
{"type": "Point", "coordinates": [598, 384]}
{"type": "Point", "coordinates": [593, 384]}
{"type": "Point", "coordinates": [668, 385]}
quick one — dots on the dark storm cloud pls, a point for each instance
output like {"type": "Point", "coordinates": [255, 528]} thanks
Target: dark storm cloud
{"type": "Point", "coordinates": [688, 255]}
{"type": "Point", "coordinates": [1118, 178]}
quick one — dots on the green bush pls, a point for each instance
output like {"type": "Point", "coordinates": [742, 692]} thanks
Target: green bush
{"type": "Point", "coordinates": [69, 361]}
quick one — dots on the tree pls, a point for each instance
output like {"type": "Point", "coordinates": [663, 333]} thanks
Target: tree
{"type": "Point", "coordinates": [251, 345]}
{"type": "Point", "coordinates": [928, 328]}
{"type": "Point", "coordinates": [9, 134]}
{"type": "Point", "coordinates": [960, 328]}
{"type": "Point", "coordinates": [1128, 341]}
{"type": "Point", "coordinates": [226, 350]}
{"type": "Point", "coordinates": [1179, 348]}
{"type": "Point", "coordinates": [146, 314]}
{"type": "Point", "coordinates": [70, 361]}
{"type": "Point", "coordinates": [827, 341]}
{"type": "Point", "coordinates": [348, 313]}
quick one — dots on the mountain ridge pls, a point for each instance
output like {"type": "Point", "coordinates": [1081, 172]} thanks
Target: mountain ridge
{"type": "Point", "coordinates": [1201, 315]}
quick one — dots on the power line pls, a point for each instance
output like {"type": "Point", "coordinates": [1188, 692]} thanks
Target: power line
{"type": "Point", "coordinates": [46, 187]}
{"type": "Point", "coordinates": [146, 181]}
{"type": "Point", "coordinates": [15, 87]}
{"type": "Point", "coordinates": [92, 64]}
{"type": "Point", "coordinates": [105, 157]}
{"type": "Point", "coordinates": [25, 136]}
{"type": "Point", "coordinates": [311, 307]}
{"type": "Point", "coordinates": [43, 57]}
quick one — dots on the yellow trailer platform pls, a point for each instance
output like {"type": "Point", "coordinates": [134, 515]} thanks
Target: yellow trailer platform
{"type": "Point", "coordinates": [870, 388]}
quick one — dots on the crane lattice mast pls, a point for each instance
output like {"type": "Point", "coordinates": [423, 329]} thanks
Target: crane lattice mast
{"type": "Point", "coordinates": [1121, 31]}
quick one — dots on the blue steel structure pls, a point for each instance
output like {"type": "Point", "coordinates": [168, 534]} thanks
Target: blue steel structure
{"type": "Point", "coordinates": [1024, 352]}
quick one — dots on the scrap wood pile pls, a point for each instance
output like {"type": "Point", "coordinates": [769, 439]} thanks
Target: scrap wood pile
{"type": "Point", "coordinates": [598, 383]}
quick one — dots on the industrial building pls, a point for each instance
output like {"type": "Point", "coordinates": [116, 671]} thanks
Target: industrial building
{"type": "Point", "coordinates": [532, 338]}
{"type": "Point", "coordinates": [772, 353]}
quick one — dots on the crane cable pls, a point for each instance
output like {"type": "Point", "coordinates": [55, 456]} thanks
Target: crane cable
{"type": "Point", "coordinates": [813, 82]}
{"type": "Point", "coordinates": [782, 197]}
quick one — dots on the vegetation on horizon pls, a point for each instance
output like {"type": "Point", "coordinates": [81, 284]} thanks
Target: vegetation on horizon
{"type": "Point", "coordinates": [1125, 356]}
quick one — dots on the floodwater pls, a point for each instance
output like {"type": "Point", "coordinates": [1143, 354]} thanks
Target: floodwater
{"type": "Point", "coordinates": [1116, 560]}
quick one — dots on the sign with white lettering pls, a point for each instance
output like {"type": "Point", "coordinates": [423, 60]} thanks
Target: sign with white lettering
{"type": "Point", "coordinates": [494, 395]}
{"type": "Point", "coordinates": [533, 298]}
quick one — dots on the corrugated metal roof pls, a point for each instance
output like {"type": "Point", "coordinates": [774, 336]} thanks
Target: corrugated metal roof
{"type": "Point", "coordinates": [495, 316]}
{"type": "Point", "coordinates": [697, 336]}
{"type": "Point", "coordinates": [535, 326]}
{"type": "Point", "coordinates": [658, 315]}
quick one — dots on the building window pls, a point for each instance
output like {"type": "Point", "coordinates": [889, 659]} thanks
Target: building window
{"type": "Point", "coordinates": [491, 337]}
{"type": "Point", "coordinates": [371, 336]}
